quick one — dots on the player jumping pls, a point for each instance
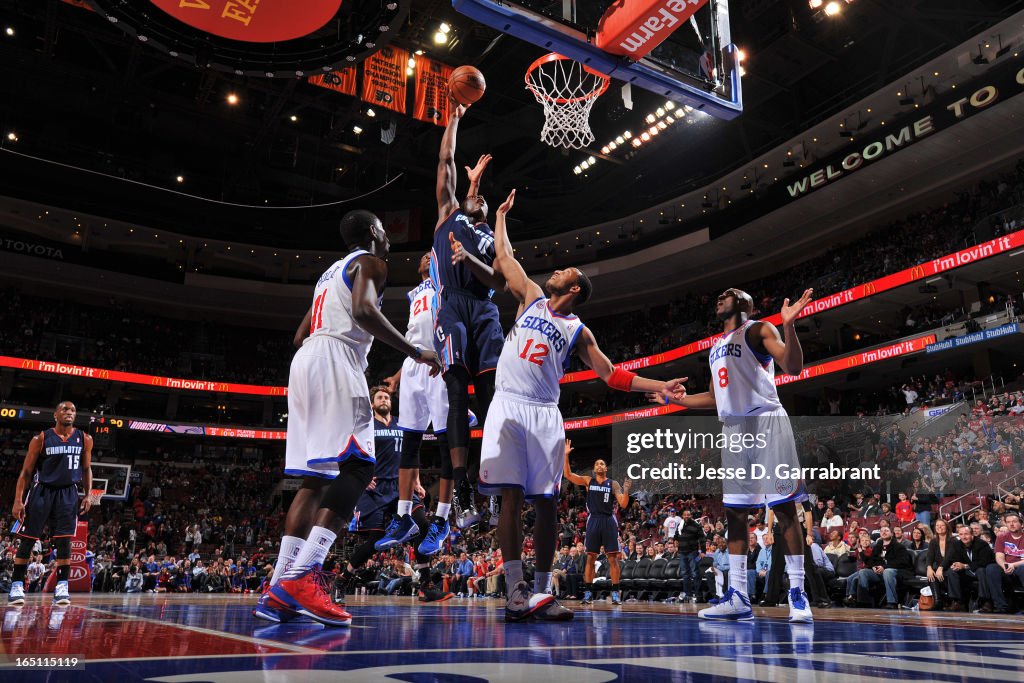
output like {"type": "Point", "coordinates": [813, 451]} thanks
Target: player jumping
{"type": "Point", "coordinates": [330, 425]}
{"type": "Point", "coordinates": [602, 527]}
{"type": "Point", "coordinates": [524, 437]}
{"type": "Point", "coordinates": [56, 461]}
{"type": "Point", "coordinates": [743, 391]}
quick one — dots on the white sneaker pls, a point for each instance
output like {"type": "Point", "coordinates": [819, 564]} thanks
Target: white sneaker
{"type": "Point", "coordinates": [60, 594]}
{"type": "Point", "coordinates": [799, 607]}
{"type": "Point", "coordinates": [17, 594]}
{"type": "Point", "coordinates": [733, 606]}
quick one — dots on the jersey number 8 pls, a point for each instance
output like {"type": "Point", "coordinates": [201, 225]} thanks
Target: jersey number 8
{"type": "Point", "coordinates": [723, 377]}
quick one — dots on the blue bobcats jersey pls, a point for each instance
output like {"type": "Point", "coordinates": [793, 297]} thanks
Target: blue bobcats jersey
{"type": "Point", "coordinates": [60, 462]}
{"type": "Point", "coordinates": [600, 497]}
{"type": "Point", "coordinates": [477, 240]}
{"type": "Point", "coordinates": [387, 444]}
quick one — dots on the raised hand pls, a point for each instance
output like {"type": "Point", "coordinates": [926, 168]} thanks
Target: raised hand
{"type": "Point", "coordinates": [458, 253]}
{"type": "Point", "coordinates": [478, 170]}
{"type": "Point", "coordinates": [506, 205]}
{"type": "Point", "coordinates": [456, 110]}
{"type": "Point", "coordinates": [568, 448]}
{"type": "Point", "coordinates": [789, 313]}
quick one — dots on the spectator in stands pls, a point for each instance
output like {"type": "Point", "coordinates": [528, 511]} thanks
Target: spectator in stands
{"type": "Point", "coordinates": [720, 565]}
{"type": "Point", "coordinates": [836, 544]}
{"type": "Point", "coordinates": [691, 539]}
{"type": "Point", "coordinates": [464, 569]}
{"type": "Point", "coordinates": [904, 509]}
{"type": "Point", "coordinates": [897, 533]}
{"type": "Point", "coordinates": [947, 584]}
{"type": "Point", "coordinates": [35, 574]}
{"type": "Point", "coordinates": [753, 550]}
{"type": "Point", "coordinates": [888, 564]}
{"type": "Point", "coordinates": [133, 581]}
{"type": "Point", "coordinates": [832, 521]}
{"type": "Point", "coordinates": [671, 524]}
{"type": "Point", "coordinates": [918, 541]}
{"type": "Point", "coordinates": [974, 556]}
{"type": "Point", "coordinates": [1009, 548]}
{"type": "Point", "coordinates": [763, 566]}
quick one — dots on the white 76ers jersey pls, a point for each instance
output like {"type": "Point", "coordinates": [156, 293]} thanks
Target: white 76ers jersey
{"type": "Point", "coordinates": [536, 353]}
{"type": "Point", "coordinates": [421, 315]}
{"type": "Point", "coordinates": [332, 308]}
{"type": "Point", "coordinates": [744, 380]}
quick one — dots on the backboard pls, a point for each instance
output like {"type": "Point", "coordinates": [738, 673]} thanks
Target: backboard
{"type": "Point", "coordinates": [696, 64]}
{"type": "Point", "coordinates": [113, 479]}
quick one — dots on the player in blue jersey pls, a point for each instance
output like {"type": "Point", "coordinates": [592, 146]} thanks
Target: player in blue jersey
{"type": "Point", "coordinates": [602, 527]}
{"type": "Point", "coordinates": [467, 332]}
{"type": "Point", "coordinates": [57, 460]}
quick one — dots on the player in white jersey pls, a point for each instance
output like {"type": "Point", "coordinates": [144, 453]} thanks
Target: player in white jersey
{"type": "Point", "coordinates": [524, 437]}
{"type": "Point", "coordinates": [424, 403]}
{"type": "Point", "coordinates": [742, 390]}
{"type": "Point", "coordinates": [330, 423]}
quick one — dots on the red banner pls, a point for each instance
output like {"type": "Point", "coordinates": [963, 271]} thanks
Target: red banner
{"type": "Point", "coordinates": [402, 226]}
{"type": "Point", "coordinates": [633, 28]}
{"type": "Point", "coordinates": [431, 101]}
{"type": "Point", "coordinates": [384, 79]}
{"type": "Point", "coordinates": [252, 21]}
{"type": "Point", "coordinates": [343, 81]}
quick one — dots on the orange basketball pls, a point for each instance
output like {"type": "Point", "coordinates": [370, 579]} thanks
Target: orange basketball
{"type": "Point", "coordinates": [467, 84]}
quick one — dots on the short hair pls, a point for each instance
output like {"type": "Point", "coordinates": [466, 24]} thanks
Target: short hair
{"type": "Point", "coordinates": [1011, 514]}
{"type": "Point", "coordinates": [62, 403]}
{"type": "Point", "coordinates": [378, 388]}
{"type": "Point", "coordinates": [355, 227]}
{"type": "Point", "coordinates": [586, 287]}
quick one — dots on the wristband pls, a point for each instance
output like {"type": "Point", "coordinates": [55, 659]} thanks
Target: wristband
{"type": "Point", "coordinates": [417, 353]}
{"type": "Point", "coordinates": [622, 380]}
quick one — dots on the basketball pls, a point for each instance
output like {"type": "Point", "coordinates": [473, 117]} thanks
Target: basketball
{"type": "Point", "coordinates": [467, 84]}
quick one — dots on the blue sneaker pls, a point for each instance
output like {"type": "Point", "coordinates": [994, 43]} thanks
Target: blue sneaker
{"type": "Point", "coordinates": [616, 598]}
{"type": "Point", "coordinates": [799, 609]}
{"type": "Point", "coordinates": [732, 606]}
{"type": "Point", "coordinates": [587, 598]}
{"type": "Point", "coordinates": [60, 594]}
{"type": "Point", "coordinates": [436, 536]}
{"type": "Point", "coordinates": [401, 530]}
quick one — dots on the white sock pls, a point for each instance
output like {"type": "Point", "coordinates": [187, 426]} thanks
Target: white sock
{"type": "Point", "coordinates": [795, 571]}
{"type": "Point", "coordinates": [404, 508]}
{"type": "Point", "coordinates": [738, 573]}
{"type": "Point", "coordinates": [290, 547]}
{"type": "Point", "coordinates": [513, 573]}
{"type": "Point", "coordinates": [443, 510]}
{"type": "Point", "coordinates": [542, 582]}
{"type": "Point", "coordinates": [314, 548]}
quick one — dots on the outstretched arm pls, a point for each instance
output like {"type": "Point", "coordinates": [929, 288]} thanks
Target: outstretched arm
{"type": "Point", "coordinates": [447, 171]}
{"type": "Point", "coordinates": [522, 287]}
{"type": "Point", "coordinates": [702, 401]}
{"type": "Point", "coordinates": [788, 355]}
{"type": "Point", "coordinates": [476, 173]}
{"type": "Point", "coordinates": [481, 271]}
{"type": "Point", "coordinates": [568, 473]}
{"type": "Point", "coordinates": [593, 357]}
{"type": "Point", "coordinates": [622, 493]}
{"type": "Point", "coordinates": [367, 274]}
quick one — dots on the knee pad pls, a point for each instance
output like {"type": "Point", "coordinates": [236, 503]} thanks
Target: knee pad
{"type": "Point", "coordinates": [25, 548]}
{"type": "Point", "coordinates": [457, 382]}
{"type": "Point", "coordinates": [446, 456]}
{"type": "Point", "coordinates": [63, 546]}
{"type": "Point", "coordinates": [342, 493]}
{"type": "Point", "coordinates": [411, 450]}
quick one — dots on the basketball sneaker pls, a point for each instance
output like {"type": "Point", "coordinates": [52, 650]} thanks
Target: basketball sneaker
{"type": "Point", "coordinates": [401, 530]}
{"type": "Point", "coordinates": [437, 534]}
{"type": "Point", "coordinates": [616, 598]}
{"type": "Point", "coordinates": [270, 608]}
{"type": "Point", "coordinates": [60, 594]}
{"type": "Point", "coordinates": [587, 598]}
{"type": "Point", "coordinates": [732, 606]}
{"type": "Point", "coordinates": [799, 608]}
{"type": "Point", "coordinates": [554, 612]}
{"type": "Point", "coordinates": [468, 514]}
{"type": "Point", "coordinates": [306, 591]}
{"type": "Point", "coordinates": [522, 603]}
{"type": "Point", "coordinates": [17, 594]}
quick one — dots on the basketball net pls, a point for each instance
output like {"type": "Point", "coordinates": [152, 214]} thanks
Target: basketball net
{"type": "Point", "coordinates": [567, 90]}
{"type": "Point", "coordinates": [95, 496]}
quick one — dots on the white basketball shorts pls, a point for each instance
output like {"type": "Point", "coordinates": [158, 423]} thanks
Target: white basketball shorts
{"type": "Point", "coordinates": [762, 486]}
{"type": "Point", "coordinates": [523, 447]}
{"type": "Point", "coordinates": [422, 399]}
{"type": "Point", "coordinates": [329, 415]}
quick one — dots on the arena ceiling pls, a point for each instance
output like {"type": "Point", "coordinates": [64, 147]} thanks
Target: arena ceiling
{"type": "Point", "coordinates": [79, 90]}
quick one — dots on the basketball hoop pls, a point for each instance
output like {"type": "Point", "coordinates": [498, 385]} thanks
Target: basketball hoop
{"type": "Point", "coordinates": [95, 496]}
{"type": "Point", "coordinates": [568, 90]}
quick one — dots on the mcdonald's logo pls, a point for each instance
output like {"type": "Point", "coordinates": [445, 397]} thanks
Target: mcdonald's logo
{"type": "Point", "coordinates": [851, 361]}
{"type": "Point", "coordinates": [817, 370]}
{"type": "Point", "coordinates": [276, 391]}
{"type": "Point", "coordinates": [157, 381]}
{"type": "Point", "coordinates": [869, 289]}
{"type": "Point", "coordinates": [223, 386]}
{"type": "Point", "coordinates": [104, 374]}
{"type": "Point", "coordinates": [917, 272]}
{"type": "Point", "coordinates": [27, 365]}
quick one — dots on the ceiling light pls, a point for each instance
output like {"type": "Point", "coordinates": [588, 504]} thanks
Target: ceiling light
{"type": "Point", "coordinates": [645, 136]}
{"type": "Point", "coordinates": [440, 38]}
{"type": "Point", "coordinates": [627, 135]}
{"type": "Point", "coordinates": [9, 30]}
{"type": "Point", "coordinates": [606, 149]}
{"type": "Point", "coordinates": [740, 55]}
{"type": "Point", "coordinates": [815, 4]}
{"type": "Point", "coordinates": [293, 118]}
{"type": "Point", "coordinates": [412, 62]}
{"type": "Point", "coordinates": [12, 136]}
{"type": "Point", "coordinates": [612, 145]}
{"type": "Point", "coordinates": [371, 113]}
{"type": "Point", "coordinates": [619, 140]}
{"type": "Point", "coordinates": [670, 105]}
{"type": "Point", "coordinates": [660, 112]}
{"type": "Point", "coordinates": [577, 170]}
{"type": "Point", "coordinates": [445, 28]}
{"type": "Point", "coordinates": [409, 71]}
{"type": "Point", "coordinates": [650, 118]}
{"type": "Point", "coordinates": [637, 142]}
{"type": "Point", "coordinates": [180, 178]}
{"type": "Point", "coordinates": [232, 98]}
{"type": "Point", "coordinates": [357, 130]}
{"type": "Point", "coordinates": [833, 8]}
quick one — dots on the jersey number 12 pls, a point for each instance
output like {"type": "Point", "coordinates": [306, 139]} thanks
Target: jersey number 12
{"type": "Point", "coordinates": [540, 352]}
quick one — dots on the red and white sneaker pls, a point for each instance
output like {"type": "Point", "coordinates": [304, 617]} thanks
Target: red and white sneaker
{"type": "Point", "coordinates": [307, 592]}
